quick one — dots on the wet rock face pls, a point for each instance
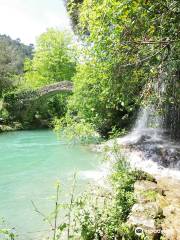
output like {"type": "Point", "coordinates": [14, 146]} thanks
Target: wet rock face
{"type": "Point", "coordinates": [158, 150]}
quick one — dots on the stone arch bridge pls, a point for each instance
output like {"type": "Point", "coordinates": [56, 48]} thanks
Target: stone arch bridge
{"type": "Point", "coordinates": [48, 90]}
{"type": "Point", "coordinates": [21, 104]}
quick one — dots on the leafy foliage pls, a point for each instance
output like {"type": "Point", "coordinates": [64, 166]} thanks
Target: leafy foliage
{"type": "Point", "coordinates": [102, 213]}
{"type": "Point", "coordinates": [73, 9]}
{"type": "Point", "coordinates": [53, 60]}
{"type": "Point", "coordinates": [98, 99]}
{"type": "Point", "coordinates": [76, 131]}
{"type": "Point", "coordinates": [127, 44]}
{"type": "Point", "coordinates": [13, 54]}
{"type": "Point", "coordinates": [5, 232]}
{"type": "Point", "coordinates": [33, 112]}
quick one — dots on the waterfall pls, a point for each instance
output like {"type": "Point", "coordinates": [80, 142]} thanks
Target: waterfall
{"type": "Point", "coordinates": [148, 144]}
{"type": "Point", "coordinates": [148, 125]}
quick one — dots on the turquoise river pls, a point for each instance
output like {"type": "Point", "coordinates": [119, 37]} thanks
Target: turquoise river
{"type": "Point", "coordinates": [31, 162]}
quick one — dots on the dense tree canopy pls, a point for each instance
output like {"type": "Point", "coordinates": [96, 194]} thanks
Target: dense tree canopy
{"type": "Point", "coordinates": [129, 44]}
{"type": "Point", "coordinates": [73, 7]}
{"type": "Point", "coordinates": [127, 52]}
{"type": "Point", "coordinates": [53, 60]}
{"type": "Point", "coordinates": [12, 56]}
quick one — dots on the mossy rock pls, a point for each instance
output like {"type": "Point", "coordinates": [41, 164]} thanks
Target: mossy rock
{"type": "Point", "coordinates": [143, 186]}
{"type": "Point", "coordinates": [141, 175]}
{"type": "Point", "coordinates": [5, 128]}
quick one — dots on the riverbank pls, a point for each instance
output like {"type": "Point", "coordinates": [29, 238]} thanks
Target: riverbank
{"type": "Point", "coordinates": [157, 208]}
{"type": "Point", "coordinates": [16, 126]}
{"type": "Point", "coordinates": [131, 198]}
{"type": "Point", "coordinates": [6, 128]}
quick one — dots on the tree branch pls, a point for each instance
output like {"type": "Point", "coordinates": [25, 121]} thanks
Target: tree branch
{"type": "Point", "coordinates": [42, 214]}
{"type": "Point", "coordinates": [152, 42]}
{"type": "Point", "coordinates": [142, 60]}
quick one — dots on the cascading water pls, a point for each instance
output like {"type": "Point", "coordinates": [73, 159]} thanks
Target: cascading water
{"type": "Point", "coordinates": [148, 146]}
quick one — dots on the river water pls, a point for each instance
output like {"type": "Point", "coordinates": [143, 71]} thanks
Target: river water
{"type": "Point", "coordinates": [31, 162]}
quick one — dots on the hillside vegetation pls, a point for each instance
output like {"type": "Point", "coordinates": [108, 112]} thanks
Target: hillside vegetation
{"type": "Point", "coordinates": [124, 54]}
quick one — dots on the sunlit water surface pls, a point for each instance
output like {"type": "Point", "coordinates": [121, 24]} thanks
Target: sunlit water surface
{"type": "Point", "coordinates": [31, 162]}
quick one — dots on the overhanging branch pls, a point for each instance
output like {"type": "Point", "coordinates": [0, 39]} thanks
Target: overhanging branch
{"type": "Point", "coordinates": [142, 60]}
{"type": "Point", "coordinates": [151, 42]}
